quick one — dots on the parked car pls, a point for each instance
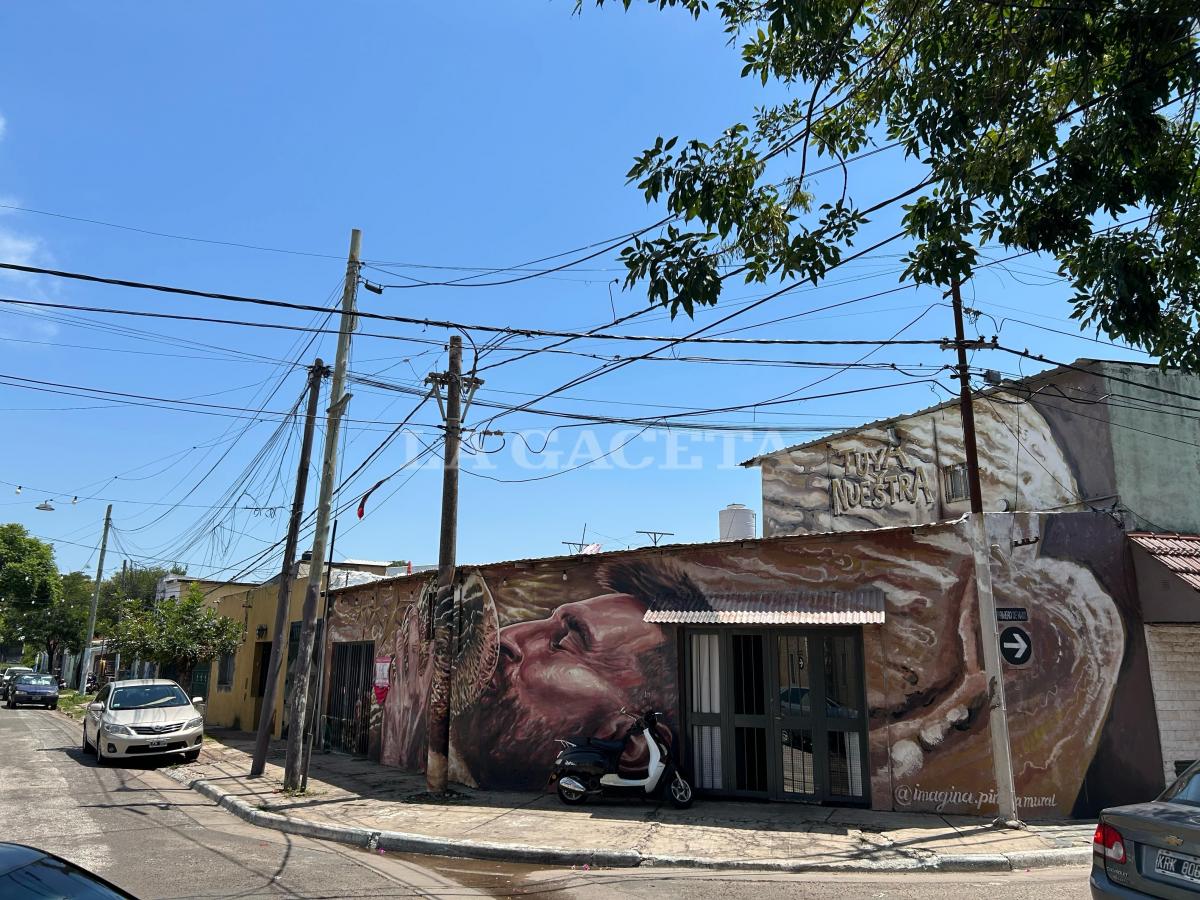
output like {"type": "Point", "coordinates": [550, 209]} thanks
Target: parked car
{"type": "Point", "coordinates": [1151, 849]}
{"type": "Point", "coordinates": [27, 873]}
{"type": "Point", "coordinates": [32, 689]}
{"type": "Point", "coordinates": [142, 717]}
{"type": "Point", "coordinates": [9, 676]}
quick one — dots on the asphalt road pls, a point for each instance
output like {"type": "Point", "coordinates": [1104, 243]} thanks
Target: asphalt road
{"type": "Point", "coordinates": [157, 839]}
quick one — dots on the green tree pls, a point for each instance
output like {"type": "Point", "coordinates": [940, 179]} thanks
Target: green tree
{"type": "Point", "coordinates": [64, 625]}
{"type": "Point", "coordinates": [183, 633]}
{"type": "Point", "coordinates": [30, 589]}
{"type": "Point", "coordinates": [131, 583]}
{"type": "Point", "coordinates": [1036, 124]}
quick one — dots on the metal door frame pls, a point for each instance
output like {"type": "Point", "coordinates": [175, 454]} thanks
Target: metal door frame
{"type": "Point", "coordinates": [341, 698]}
{"type": "Point", "coordinates": [821, 724]}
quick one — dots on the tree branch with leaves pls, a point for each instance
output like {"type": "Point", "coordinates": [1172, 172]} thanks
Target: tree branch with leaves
{"type": "Point", "coordinates": [1039, 126]}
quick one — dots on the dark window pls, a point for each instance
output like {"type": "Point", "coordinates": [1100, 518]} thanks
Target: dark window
{"type": "Point", "coordinates": [955, 480]}
{"type": "Point", "coordinates": [225, 670]}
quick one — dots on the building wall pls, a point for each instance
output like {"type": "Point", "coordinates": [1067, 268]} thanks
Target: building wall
{"type": "Point", "coordinates": [554, 648]}
{"type": "Point", "coordinates": [234, 706]}
{"type": "Point", "coordinates": [1155, 450]}
{"type": "Point", "coordinates": [1043, 446]}
{"type": "Point", "coordinates": [1166, 598]}
{"type": "Point", "coordinates": [1175, 671]}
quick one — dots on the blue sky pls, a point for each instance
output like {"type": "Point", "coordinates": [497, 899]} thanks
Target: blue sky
{"type": "Point", "coordinates": [454, 135]}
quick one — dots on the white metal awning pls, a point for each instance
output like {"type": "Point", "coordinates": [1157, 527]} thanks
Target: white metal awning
{"type": "Point", "coordinates": [864, 606]}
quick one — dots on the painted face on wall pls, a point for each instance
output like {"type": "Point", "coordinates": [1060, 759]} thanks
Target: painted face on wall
{"type": "Point", "coordinates": [564, 676]}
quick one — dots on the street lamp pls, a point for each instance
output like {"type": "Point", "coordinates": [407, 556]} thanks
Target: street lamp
{"type": "Point", "coordinates": [45, 506]}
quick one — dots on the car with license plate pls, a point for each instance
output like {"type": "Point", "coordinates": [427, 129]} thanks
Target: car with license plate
{"type": "Point", "coordinates": [33, 690]}
{"type": "Point", "coordinates": [9, 676]}
{"type": "Point", "coordinates": [142, 717]}
{"type": "Point", "coordinates": [1151, 849]}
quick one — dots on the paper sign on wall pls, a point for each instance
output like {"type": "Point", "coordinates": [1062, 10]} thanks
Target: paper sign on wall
{"type": "Point", "coordinates": [383, 678]}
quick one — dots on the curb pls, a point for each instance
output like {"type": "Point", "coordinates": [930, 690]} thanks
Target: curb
{"type": "Point", "coordinates": [617, 859]}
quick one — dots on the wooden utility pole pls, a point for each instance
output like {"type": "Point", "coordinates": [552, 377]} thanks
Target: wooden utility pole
{"type": "Point", "coordinates": [338, 400]}
{"type": "Point", "coordinates": [91, 626]}
{"type": "Point", "coordinates": [1006, 798]}
{"type": "Point", "coordinates": [443, 605]}
{"type": "Point", "coordinates": [262, 740]}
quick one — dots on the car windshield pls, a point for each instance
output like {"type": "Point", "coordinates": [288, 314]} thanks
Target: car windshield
{"type": "Point", "coordinates": [35, 679]}
{"type": "Point", "coordinates": [1186, 789]}
{"type": "Point", "coordinates": [148, 696]}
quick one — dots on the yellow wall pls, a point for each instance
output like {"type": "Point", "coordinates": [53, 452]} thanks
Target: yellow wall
{"type": "Point", "coordinates": [233, 706]}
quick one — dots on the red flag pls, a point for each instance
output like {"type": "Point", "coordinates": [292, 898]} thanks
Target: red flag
{"type": "Point", "coordinates": [362, 504]}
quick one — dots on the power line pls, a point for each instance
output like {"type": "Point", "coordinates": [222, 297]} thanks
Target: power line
{"type": "Point", "coordinates": [383, 317]}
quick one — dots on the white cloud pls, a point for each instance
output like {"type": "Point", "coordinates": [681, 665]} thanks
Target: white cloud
{"type": "Point", "coordinates": [17, 249]}
{"type": "Point", "coordinates": [3, 125]}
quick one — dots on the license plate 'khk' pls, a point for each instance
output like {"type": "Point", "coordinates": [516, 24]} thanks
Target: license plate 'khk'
{"type": "Point", "coordinates": [1177, 865]}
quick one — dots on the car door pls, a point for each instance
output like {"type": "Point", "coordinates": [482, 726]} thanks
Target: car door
{"type": "Point", "coordinates": [95, 713]}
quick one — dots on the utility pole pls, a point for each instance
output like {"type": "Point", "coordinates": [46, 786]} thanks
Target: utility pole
{"type": "Point", "coordinates": [91, 629]}
{"type": "Point", "coordinates": [317, 697]}
{"type": "Point", "coordinates": [124, 597]}
{"type": "Point", "coordinates": [262, 740]}
{"type": "Point", "coordinates": [1006, 798]}
{"type": "Point", "coordinates": [443, 612]}
{"type": "Point", "coordinates": [338, 400]}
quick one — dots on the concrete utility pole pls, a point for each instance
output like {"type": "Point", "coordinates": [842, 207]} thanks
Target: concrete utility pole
{"type": "Point", "coordinates": [317, 696]}
{"type": "Point", "coordinates": [1006, 798]}
{"type": "Point", "coordinates": [91, 629]}
{"type": "Point", "coordinates": [338, 400]}
{"type": "Point", "coordinates": [262, 740]}
{"type": "Point", "coordinates": [443, 610]}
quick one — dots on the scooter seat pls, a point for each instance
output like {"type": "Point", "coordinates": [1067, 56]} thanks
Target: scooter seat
{"type": "Point", "coordinates": [608, 746]}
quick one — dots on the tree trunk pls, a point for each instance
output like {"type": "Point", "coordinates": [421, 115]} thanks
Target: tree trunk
{"type": "Point", "coordinates": [184, 674]}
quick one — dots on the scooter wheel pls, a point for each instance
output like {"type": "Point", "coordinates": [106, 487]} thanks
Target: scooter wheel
{"type": "Point", "coordinates": [570, 797]}
{"type": "Point", "coordinates": [680, 791]}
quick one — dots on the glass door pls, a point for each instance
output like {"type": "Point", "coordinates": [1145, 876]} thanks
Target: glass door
{"type": "Point", "coordinates": [751, 722]}
{"type": "Point", "coordinates": [845, 723]}
{"type": "Point", "coordinates": [778, 713]}
{"type": "Point", "coordinates": [795, 731]}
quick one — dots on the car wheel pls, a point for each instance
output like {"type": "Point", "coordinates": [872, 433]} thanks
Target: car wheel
{"type": "Point", "coordinates": [54, 705]}
{"type": "Point", "coordinates": [101, 759]}
{"type": "Point", "coordinates": [192, 755]}
{"type": "Point", "coordinates": [11, 704]}
{"type": "Point", "coordinates": [86, 748]}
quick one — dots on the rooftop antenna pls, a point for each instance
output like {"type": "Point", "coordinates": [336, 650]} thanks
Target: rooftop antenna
{"type": "Point", "coordinates": [656, 536]}
{"type": "Point", "coordinates": [577, 546]}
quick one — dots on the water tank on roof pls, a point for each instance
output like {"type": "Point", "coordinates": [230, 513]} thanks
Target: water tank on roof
{"type": "Point", "coordinates": [737, 523]}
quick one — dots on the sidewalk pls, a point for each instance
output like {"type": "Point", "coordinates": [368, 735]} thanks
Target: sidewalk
{"type": "Point", "coordinates": [359, 802]}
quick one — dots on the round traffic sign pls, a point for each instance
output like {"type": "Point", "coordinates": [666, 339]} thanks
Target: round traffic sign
{"type": "Point", "coordinates": [1016, 646]}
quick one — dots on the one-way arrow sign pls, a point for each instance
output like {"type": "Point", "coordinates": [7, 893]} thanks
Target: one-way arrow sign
{"type": "Point", "coordinates": [1016, 646]}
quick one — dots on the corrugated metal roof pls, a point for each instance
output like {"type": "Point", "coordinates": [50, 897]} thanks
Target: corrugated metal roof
{"type": "Point", "coordinates": [795, 607]}
{"type": "Point", "coordinates": [569, 559]}
{"type": "Point", "coordinates": [1178, 552]}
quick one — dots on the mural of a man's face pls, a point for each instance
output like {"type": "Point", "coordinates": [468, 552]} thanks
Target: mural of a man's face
{"type": "Point", "coordinates": [567, 675]}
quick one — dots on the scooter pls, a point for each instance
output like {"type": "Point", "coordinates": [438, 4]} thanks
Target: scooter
{"type": "Point", "coordinates": [588, 767]}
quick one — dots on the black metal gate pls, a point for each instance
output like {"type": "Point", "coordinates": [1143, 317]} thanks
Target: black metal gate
{"type": "Point", "coordinates": [348, 717]}
{"type": "Point", "coordinates": [778, 713]}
